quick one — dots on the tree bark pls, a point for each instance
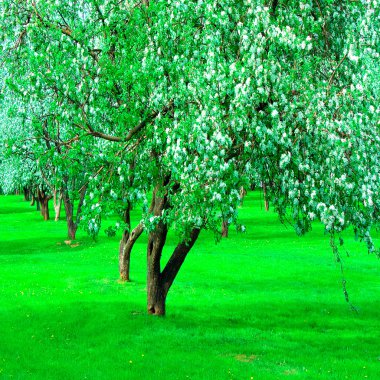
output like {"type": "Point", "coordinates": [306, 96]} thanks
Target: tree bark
{"type": "Point", "coordinates": [125, 249]}
{"type": "Point", "coordinates": [33, 199]}
{"type": "Point", "coordinates": [177, 259]}
{"type": "Point", "coordinates": [72, 223]}
{"type": "Point", "coordinates": [159, 283]}
{"type": "Point", "coordinates": [26, 191]}
{"type": "Point", "coordinates": [69, 209]}
{"type": "Point", "coordinates": [156, 241]}
{"type": "Point", "coordinates": [43, 200]}
{"type": "Point", "coordinates": [57, 200]}
{"type": "Point", "coordinates": [242, 193]}
{"type": "Point", "coordinates": [224, 228]}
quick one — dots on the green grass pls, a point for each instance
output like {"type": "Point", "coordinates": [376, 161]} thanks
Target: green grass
{"type": "Point", "coordinates": [260, 305]}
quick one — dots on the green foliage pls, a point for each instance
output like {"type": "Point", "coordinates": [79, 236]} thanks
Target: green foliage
{"type": "Point", "coordinates": [197, 99]}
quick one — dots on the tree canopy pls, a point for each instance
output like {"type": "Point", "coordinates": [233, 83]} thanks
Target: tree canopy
{"type": "Point", "coordinates": [173, 106]}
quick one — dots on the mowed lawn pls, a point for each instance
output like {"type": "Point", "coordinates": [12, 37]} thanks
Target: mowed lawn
{"type": "Point", "coordinates": [261, 305]}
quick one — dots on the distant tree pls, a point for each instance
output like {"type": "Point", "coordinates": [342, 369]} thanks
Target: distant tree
{"type": "Point", "coordinates": [183, 103]}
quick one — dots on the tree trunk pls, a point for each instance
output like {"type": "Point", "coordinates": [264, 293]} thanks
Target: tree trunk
{"type": "Point", "coordinates": [156, 294]}
{"type": "Point", "coordinates": [265, 197]}
{"type": "Point", "coordinates": [224, 228]}
{"type": "Point", "coordinates": [158, 284]}
{"type": "Point", "coordinates": [45, 209]}
{"type": "Point", "coordinates": [26, 193]}
{"type": "Point", "coordinates": [69, 207]}
{"type": "Point", "coordinates": [156, 297]}
{"type": "Point", "coordinates": [72, 224]}
{"type": "Point", "coordinates": [242, 193]}
{"type": "Point", "coordinates": [57, 200]}
{"type": "Point", "coordinates": [125, 249]}
{"type": "Point", "coordinates": [43, 200]}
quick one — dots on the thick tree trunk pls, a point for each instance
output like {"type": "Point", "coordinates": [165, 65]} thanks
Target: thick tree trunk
{"type": "Point", "coordinates": [125, 249]}
{"type": "Point", "coordinates": [156, 297]}
{"type": "Point", "coordinates": [156, 294]}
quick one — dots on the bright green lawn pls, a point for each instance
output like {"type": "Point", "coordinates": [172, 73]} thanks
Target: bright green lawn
{"type": "Point", "coordinates": [263, 305]}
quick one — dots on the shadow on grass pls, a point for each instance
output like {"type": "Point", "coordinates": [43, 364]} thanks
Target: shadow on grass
{"type": "Point", "coordinates": [52, 245]}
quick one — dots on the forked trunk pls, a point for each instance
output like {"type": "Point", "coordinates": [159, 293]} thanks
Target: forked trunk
{"type": "Point", "coordinates": [159, 283]}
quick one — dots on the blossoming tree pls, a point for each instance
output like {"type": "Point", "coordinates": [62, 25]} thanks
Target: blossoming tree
{"type": "Point", "coordinates": [193, 99]}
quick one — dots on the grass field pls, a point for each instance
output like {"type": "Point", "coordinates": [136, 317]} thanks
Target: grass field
{"type": "Point", "coordinates": [261, 305]}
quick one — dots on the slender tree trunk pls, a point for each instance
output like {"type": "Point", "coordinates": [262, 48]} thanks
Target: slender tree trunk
{"type": "Point", "coordinates": [33, 199]}
{"type": "Point", "coordinates": [26, 191]}
{"type": "Point", "coordinates": [69, 208]}
{"type": "Point", "coordinates": [265, 197]}
{"type": "Point", "coordinates": [57, 200]}
{"type": "Point", "coordinates": [224, 228]}
{"type": "Point", "coordinates": [243, 193]}
{"type": "Point", "coordinates": [72, 223]}
{"type": "Point", "coordinates": [125, 249]}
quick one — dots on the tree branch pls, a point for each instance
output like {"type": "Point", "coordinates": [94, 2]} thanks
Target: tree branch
{"type": "Point", "coordinates": [177, 258]}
